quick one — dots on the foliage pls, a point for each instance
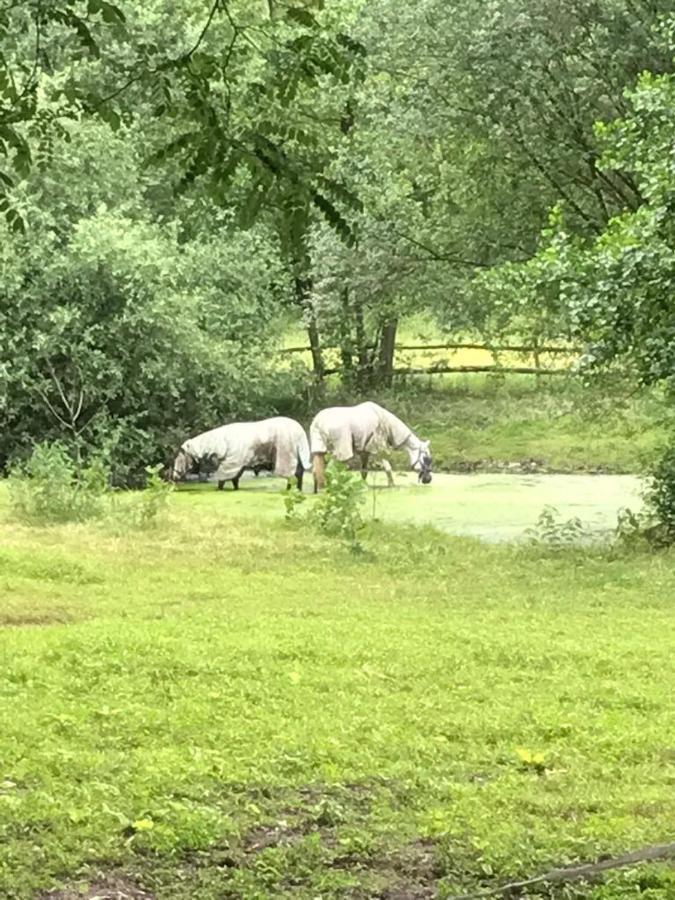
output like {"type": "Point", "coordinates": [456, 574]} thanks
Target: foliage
{"type": "Point", "coordinates": [293, 500]}
{"type": "Point", "coordinates": [228, 115]}
{"type": "Point", "coordinates": [141, 338]}
{"type": "Point", "coordinates": [550, 532]}
{"type": "Point", "coordinates": [612, 291]}
{"type": "Point", "coordinates": [33, 35]}
{"type": "Point", "coordinates": [50, 488]}
{"type": "Point", "coordinates": [489, 121]}
{"type": "Point", "coordinates": [635, 532]}
{"type": "Point", "coordinates": [391, 697]}
{"type": "Point", "coordinates": [145, 508]}
{"type": "Point", "coordinates": [337, 509]}
{"type": "Point", "coordinates": [661, 497]}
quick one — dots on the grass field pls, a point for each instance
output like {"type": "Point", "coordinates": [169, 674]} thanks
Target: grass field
{"type": "Point", "coordinates": [229, 707]}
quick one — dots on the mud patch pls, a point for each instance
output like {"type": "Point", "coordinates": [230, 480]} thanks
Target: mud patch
{"type": "Point", "coordinates": [110, 888]}
{"type": "Point", "coordinates": [408, 872]}
{"type": "Point", "coordinates": [26, 620]}
{"type": "Point", "coordinates": [412, 872]}
{"type": "Point", "coordinates": [312, 809]}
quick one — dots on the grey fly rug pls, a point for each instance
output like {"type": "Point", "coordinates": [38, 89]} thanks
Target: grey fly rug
{"type": "Point", "coordinates": [277, 444]}
{"type": "Point", "coordinates": [345, 431]}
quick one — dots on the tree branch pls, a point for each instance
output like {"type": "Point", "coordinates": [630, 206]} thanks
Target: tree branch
{"type": "Point", "coordinates": [179, 60]}
{"type": "Point", "coordinates": [578, 873]}
{"type": "Point", "coordinates": [435, 256]}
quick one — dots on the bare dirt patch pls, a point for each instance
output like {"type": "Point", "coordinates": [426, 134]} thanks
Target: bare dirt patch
{"type": "Point", "coordinates": [26, 620]}
{"type": "Point", "coordinates": [111, 888]}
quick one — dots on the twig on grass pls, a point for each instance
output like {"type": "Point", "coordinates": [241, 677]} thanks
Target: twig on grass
{"type": "Point", "coordinates": [578, 873]}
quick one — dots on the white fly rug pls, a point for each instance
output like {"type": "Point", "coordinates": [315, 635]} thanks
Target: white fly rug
{"type": "Point", "coordinates": [278, 444]}
{"type": "Point", "coordinates": [345, 431]}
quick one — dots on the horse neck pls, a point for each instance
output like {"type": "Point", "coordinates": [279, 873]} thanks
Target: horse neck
{"type": "Point", "coordinates": [412, 445]}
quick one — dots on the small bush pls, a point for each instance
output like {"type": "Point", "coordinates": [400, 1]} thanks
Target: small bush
{"type": "Point", "coordinates": [148, 507]}
{"type": "Point", "coordinates": [550, 532]}
{"type": "Point", "coordinates": [337, 510]}
{"type": "Point", "coordinates": [293, 500]}
{"type": "Point", "coordinates": [49, 489]}
{"type": "Point", "coordinates": [660, 497]}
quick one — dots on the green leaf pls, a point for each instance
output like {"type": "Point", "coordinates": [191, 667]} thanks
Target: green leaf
{"type": "Point", "coordinates": [111, 14]}
{"type": "Point", "coordinates": [334, 218]}
{"type": "Point", "coordinates": [109, 116]}
{"type": "Point", "coordinates": [302, 17]}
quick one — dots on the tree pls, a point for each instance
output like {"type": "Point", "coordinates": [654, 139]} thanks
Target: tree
{"type": "Point", "coordinates": [487, 118]}
{"type": "Point", "coordinates": [614, 291]}
{"type": "Point", "coordinates": [115, 330]}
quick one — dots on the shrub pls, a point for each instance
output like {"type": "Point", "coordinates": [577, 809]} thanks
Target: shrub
{"type": "Point", "coordinates": [148, 507]}
{"type": "Point", "coordinates": [49, 487]}
{"type": "Point", "coordinates": [660, 496]}
{"type": "Point", "coordinates": [337, 510]}
{"type": "Point", "coordinates": [550, 532]}
{"type": "Point", "coordinates": [293, 500]}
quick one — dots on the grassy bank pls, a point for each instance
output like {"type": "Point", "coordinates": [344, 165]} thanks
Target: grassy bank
{"type": "Point", "coordinates": [492, 423]}
{"type": "Point", "coordinates": [229, 707]}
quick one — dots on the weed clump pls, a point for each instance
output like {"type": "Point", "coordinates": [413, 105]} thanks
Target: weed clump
{"type": "Point", "coordinates": [337, 510]}
{"type": "Point", "coordinates": [51, 487]}
{"type": "Point", "coordinates": [48, 488]}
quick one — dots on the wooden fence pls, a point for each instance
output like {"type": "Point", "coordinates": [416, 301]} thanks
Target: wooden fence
{"type": "Point", "coordinates": [442, 368]}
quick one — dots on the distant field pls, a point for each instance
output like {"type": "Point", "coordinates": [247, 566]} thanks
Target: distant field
{"type": "Point", "coordinates": [420, 331]}
{"type": "Point", "coordinates": [233, 708]}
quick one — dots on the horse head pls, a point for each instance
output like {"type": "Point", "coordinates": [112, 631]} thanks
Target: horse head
{"type": "Point", "coordinates": [184, 464]}
{"type": "Point", "coordinates": [422, 462]}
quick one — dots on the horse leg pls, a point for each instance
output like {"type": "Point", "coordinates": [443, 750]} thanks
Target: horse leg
{"type": "Point", "coordinates": [386, 465]}
{"type": "Point", "coordinates": [221, 485]}
{"type": "Point", "coordinates": [364, 465]}
{"type": "Point", "coordinates": [299, 474]}
{"type": "Point", "coordinates": [319, 471]}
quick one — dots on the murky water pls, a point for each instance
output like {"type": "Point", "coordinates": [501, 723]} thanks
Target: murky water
{"type": "Point", "coordinates": [497, 507]}
{"type": "Point", "coordinates": [501, 507]}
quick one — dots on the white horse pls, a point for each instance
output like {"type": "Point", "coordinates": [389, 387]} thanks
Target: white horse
{"type": "Point", "coordinates": [276, 445]}
{"type": "Point", "coordinates": [359, 432]}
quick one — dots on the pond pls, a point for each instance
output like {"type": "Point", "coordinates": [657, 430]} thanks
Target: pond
{"type": "Point", "coordinates": [500, 507]}
{"type": "Point", "coordinates": [494, 507]}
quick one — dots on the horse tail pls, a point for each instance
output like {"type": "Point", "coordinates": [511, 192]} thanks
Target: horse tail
{"type": "Point", "coordinates": [304, 457]}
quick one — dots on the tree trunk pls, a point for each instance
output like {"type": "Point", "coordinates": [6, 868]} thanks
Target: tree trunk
{"type": "Point", "coordinates": [364, 368]}
{"type": "Point", "coordinates": [346, 343]}
{"type": "Point", "coordinates": [386, 352]}
{"type": "Point", "coordinates": [303, 296]}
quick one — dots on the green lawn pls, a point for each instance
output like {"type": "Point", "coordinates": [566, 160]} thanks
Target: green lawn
{"type": "Point", "coordinates": [232, 707]}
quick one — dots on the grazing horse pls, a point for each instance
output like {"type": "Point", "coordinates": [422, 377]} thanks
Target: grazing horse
{"type": "Point", "coordinates": [276, 445]}
{"type": "Point", "coordinates": [359, 432]}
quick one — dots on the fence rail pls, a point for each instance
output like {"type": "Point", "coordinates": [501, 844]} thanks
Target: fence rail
{"type": "Point", "coordinates": [458, 370]}
{"type": "Point", "coordinates": [506, 348]}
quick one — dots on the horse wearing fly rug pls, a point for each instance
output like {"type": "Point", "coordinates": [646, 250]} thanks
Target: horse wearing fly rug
{"type": "Point", "coordinates": [359, 432]}
{"type": "Point", "coordinates": [276, 445]}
